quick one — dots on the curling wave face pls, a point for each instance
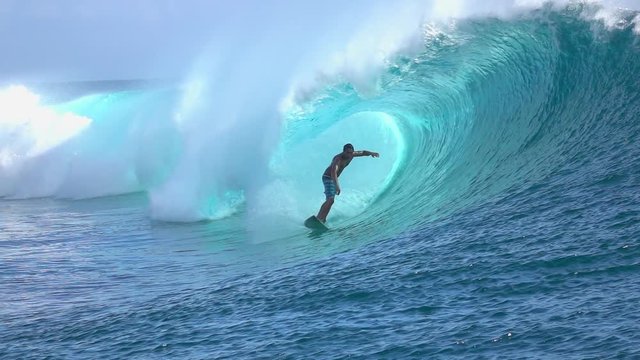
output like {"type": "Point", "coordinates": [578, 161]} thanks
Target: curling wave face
{"type": "Point", "coordinates": [491, 108]}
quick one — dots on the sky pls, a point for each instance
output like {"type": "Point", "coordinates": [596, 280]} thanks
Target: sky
{"type": "Point", "coordinates": [96, 39]}
{"type": "Point", "coordinates": [43, 40]}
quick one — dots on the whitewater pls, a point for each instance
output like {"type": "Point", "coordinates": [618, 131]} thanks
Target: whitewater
{"type": "Point", "coordinates": [163, 218]}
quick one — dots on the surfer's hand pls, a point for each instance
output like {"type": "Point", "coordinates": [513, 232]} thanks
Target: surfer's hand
{"type": "Point", "coordinates": [338, 190]}
{"type": "Point", "coordinates": [375, 154]}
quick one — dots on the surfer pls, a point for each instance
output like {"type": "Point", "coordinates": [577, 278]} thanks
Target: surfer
{"type": "Point", "coordinates": [330, 176]}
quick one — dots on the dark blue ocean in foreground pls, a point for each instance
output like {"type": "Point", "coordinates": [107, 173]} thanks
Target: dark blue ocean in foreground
{"type": "Point", "coordinates": [501, 221]}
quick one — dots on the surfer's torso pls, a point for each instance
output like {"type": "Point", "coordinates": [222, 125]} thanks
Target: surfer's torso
{"type": "Point", "coordinates": [341, 162]}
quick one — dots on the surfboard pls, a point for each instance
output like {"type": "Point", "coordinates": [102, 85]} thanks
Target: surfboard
{"type": "Point", "coordinates": [313, 223]}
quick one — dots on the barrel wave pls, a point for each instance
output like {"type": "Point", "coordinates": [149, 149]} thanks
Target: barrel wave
{"type": "Point", "coordinates": [482, 109]}
{"type": "Point", "coordinates": [492, 109]}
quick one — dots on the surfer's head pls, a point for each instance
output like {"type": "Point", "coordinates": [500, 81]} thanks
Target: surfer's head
{"type": "Point", "coordinates": [347, 151]}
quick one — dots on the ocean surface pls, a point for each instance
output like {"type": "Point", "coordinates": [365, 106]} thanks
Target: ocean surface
{"type": "Point", "coordinates": [502, 219]}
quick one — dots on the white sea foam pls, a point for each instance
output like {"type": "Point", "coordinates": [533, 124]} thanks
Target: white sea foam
{"type": "Point", "coordinates": [33, 158]}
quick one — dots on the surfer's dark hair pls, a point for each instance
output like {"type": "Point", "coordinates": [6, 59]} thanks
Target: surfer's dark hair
{"type": "Point", "coordinates": [347, 146]}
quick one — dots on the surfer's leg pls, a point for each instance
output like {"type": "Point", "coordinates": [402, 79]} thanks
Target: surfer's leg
{"type": "Point", "coordinates": [324, 209]}
{"type": "Point", "coordinates": [330, 192]}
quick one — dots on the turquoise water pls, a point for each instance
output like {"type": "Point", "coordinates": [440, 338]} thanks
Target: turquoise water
{"type": "Point", "coordinates": [501, 220]}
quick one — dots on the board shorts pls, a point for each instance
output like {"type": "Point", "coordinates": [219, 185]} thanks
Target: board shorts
{"type": "Point", "coordinates": [329, 187]}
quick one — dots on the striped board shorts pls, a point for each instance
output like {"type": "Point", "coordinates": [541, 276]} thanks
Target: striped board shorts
{"type": "Point", "coordinates": [329, 187]}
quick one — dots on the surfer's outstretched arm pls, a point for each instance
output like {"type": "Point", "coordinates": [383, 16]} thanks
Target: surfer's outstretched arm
{"type": "Point", "coordinates": [366, 153]}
